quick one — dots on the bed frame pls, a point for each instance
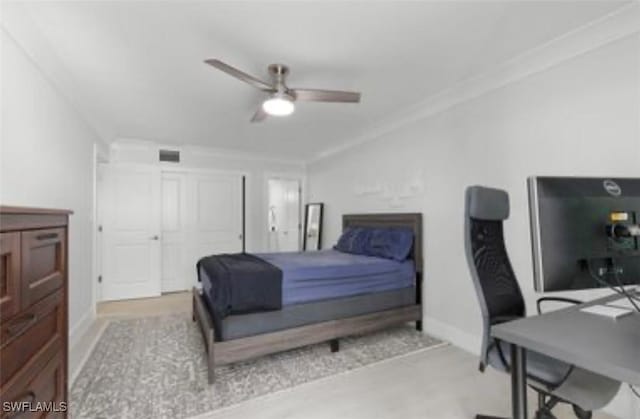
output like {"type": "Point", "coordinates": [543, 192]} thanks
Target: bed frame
{"type": "Point", "coordinates": [234, 350]}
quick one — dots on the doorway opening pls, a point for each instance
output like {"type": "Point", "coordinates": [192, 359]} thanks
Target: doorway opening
{"type": "Point", "coordinates": [283, 217]}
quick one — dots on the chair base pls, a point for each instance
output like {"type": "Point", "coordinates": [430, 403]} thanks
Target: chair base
{"type": "Point", "coordinates": [546, 403]}
{"type": "Point", "coordinates": [539, 415]}
{"type": "Point", "coordinates": [581, 414]}
{"type": "Point", "coordinates": [544, 413]}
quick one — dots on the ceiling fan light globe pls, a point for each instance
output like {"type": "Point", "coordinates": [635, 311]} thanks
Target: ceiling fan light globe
{"type": "Point", "coordinates": [278, 106]}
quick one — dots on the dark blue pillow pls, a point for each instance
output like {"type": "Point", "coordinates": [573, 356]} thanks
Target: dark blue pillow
{"type": "Point", "coordinates": [390, 243]}
{"type": "Point", "coordinates": [344, 242]}
{"type": "Point", "coordinates": [353, 240]}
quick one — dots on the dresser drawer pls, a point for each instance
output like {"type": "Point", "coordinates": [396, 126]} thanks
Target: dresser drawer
{"type": "Point", "coordinates": [43, 263]}
{"type": "Point", "coordinates": [10, 281]}
{"type": "Point", "coordinates": [37, 392]}
{"type": "Point", "coordinates": [38, 331]}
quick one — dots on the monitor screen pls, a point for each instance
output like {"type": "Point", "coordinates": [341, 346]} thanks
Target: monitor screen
{"type": "Point", "coordinates": [585, 232]}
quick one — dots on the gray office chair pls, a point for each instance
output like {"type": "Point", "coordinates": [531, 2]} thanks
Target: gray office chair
{"type": "Point", "coordinates": [501, 301]}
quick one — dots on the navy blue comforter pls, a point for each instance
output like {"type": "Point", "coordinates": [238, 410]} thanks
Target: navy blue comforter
{"type": "Point", "coordinates": [241, 283]}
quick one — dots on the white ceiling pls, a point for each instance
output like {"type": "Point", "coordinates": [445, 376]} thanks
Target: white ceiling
{"type": "Point", "coordinates": [137, 66]}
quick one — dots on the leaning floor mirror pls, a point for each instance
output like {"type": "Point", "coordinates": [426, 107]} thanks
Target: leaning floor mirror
{"type": "Point", "coordinates": [312, 227]}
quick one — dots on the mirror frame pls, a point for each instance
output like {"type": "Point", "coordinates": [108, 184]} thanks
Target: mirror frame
{"type": "Point", "coordinates": [306, 224]}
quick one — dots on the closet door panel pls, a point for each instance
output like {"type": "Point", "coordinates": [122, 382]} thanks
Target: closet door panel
{"type": "Point", "coordinates": [176, 272]}
{"type": "Point", "coordinates": [217, 214]}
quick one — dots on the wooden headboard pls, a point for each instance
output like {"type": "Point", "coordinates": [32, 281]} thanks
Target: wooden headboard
{"type": "Point", "coordinates": [408, 220]}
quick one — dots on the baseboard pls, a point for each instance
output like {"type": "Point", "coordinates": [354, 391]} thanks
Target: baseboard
{"type": "Point", "coordinates": [446, 332]}
{"type": "Point", "coordinates": [75, 368]}
{"type": "Point", "coordinates": [77, 330]}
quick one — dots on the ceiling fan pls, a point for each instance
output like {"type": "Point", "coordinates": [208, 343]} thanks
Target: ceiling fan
{"type": "Point", "coordinates": [281, 98]}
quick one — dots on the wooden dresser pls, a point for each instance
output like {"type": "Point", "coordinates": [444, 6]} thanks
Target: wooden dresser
{"type": "Point", "coordinates": [33, 311]}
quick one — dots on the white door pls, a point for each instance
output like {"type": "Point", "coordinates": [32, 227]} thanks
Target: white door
{"type": "Point", "coordinates": [284, 215]}
{"type": "Point", "coordinates": [217, 211]}
{"type": "Point", "coordinates": [131, 232]}
{"type": "Point", "coordinates": [176, 273]}
{"type": "Point", "coordinates": [291, 225]}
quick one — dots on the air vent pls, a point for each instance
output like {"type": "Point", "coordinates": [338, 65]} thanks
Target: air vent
{"type": "Point", "coordinates": [172, 156]}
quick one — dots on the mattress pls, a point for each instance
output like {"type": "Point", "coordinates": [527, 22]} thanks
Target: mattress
{"type": "Point", "coordinates": [239, 326]}
{"type": "Point", "coordinates": [328, 274]}
{"type": "Point", "coordinates": [321, 286]}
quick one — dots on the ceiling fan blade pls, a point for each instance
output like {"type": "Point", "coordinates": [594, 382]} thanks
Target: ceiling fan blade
{"type": "Point", "coordinates": [260, 115]}
{"type": "Point", "coordinates": [232, 71]}
{"type": "Point", "coordinates": [315, 95]}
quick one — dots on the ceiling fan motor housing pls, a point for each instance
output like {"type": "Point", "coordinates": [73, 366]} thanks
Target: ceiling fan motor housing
{"type": "Point", "coordinates": [278, 69]}
{"type": "Point", "coordinates": [279, 72]}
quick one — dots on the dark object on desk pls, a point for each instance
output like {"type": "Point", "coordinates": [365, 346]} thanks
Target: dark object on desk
{"type": "Point", "coordinates": [501, 301]}
{"type": "Point", "coordinates": [585, 232]}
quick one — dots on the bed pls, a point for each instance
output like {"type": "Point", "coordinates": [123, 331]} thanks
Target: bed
{"type": "Point", "coordinates": [325, 295]}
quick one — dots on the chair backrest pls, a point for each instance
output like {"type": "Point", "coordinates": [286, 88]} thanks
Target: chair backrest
{"type": "Point", "coordinates": [496, 285]}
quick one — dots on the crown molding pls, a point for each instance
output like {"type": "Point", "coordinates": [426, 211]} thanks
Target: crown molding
{"type": "Point", "coordinates": [619, 24]}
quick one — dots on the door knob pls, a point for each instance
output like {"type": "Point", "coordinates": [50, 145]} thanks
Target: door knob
{"type": "Point", "coordinates": [156, 237]}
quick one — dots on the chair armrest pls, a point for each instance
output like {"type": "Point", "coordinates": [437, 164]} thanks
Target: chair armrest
{"type": "Point", "coordinates": [559, 299]}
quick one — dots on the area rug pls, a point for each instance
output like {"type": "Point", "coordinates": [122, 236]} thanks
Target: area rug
{"type": "Point", "coordinates": [155, 367]}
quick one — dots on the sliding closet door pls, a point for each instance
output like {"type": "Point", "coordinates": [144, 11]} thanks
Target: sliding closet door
{"type": "Point", "coordinates": [217, 214]}
{"type": "Point", "coordinates": [131, 232]}
{"type": "Point", "coordinates": [176, 269]}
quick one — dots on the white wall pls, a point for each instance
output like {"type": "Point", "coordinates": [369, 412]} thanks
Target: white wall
{"type": "Point", "coordinates": [46, 160]}
{"type": "Point", "coordinates": [257, 170]}
{"type": "Point", "coordinates": [580, 117]}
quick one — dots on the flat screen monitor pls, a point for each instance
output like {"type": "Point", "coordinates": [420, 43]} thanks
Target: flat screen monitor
{"type": "Point", "coordinates": [585, 232]}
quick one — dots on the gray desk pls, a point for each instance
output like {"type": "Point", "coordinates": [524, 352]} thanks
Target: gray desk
{"type": "Point", "coordinates": [606, 346]}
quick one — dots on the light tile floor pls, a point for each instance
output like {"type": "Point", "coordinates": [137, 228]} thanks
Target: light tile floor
{"type": "Point", "coordinates": [441, 383]}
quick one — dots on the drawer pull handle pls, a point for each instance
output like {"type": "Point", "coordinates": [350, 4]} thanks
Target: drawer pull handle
{"type": "Point", "coordinates": [47, 236]}
{"type": "Point", "coordinates": [22, 325]}
{"type": "Point", "coordinates": [28, 397]}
